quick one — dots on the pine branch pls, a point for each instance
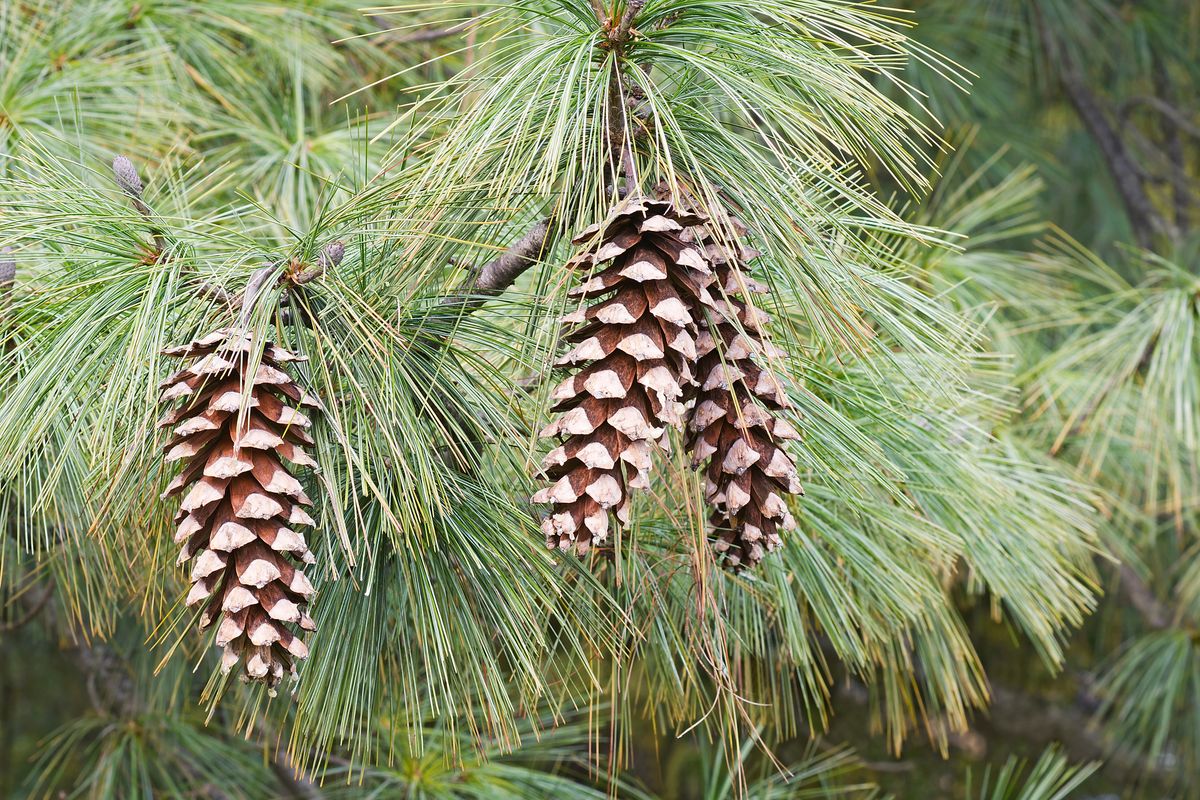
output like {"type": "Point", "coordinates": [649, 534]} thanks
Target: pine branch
{"type": "Point", "coordinates": [1142, 598]}
{"type": "Point", "coordinates": [620, 145]}
{"type": "Point", "coordinates": [130, 182]}
{"type": "Point", "coordinates": [497, 275]}
{"type": "Point", "coordinates": [1144, 218]}
{"type": "Point", "coordinates": [109, 683]}
{"type": "Point", "coordinates": [31, 611]}
{"type": "Point", "coordinates": [126, 176]}
{"type": "Point", "coordinates": [1172, 114]}
{"type": "Point", "coordinates": [1173, 125]}
{"type": "Point", "coordinates": [285, 769]}
{"type": "Point", "coordinates": [1026, 716]}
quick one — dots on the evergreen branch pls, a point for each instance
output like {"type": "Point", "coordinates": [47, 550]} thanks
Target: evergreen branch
{"type": "Point", "coordinates": [330, 256]}
{"type": "Point", "coordinates": [1016, 713]}
{"type": "Point", "coordinates": [130, 182]}
{"type": "Point", "coordinates": [31, 612]}
{"type": "Point", "coordinates": [1164, 109]}
{"type": "Point", "coordinates": [1144, 218]}
{"type": "Point", "coordinates": [422, 35]}
{"type": "Point", "coordinates": [497, 275]}
{"type": "Point", "coordinates": [1142, 598]}
{"type": "Point", "coordinates": [285, 769]}
{"type": "Point", "coordinates": [1184, 196]}
{"type": "Point", "coordinates": [109, 684]}
{"type": "Point", "coordinates": [126, 176]}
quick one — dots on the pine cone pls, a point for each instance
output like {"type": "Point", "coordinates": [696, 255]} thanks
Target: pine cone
{"type": "Point", "coordinates": [237, 518]}
{"type": "Point", "coordinates": [733, 426]}
{"type": "Point", "coordinates": [633, 357]}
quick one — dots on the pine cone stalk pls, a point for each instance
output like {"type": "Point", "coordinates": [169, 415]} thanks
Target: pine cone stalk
{"type": "Point", "coordinates": [735, 429]}
{"type": "Point", "coordinates": [240, 505]}
{"type": "Point", "coordinates": [634, 340]}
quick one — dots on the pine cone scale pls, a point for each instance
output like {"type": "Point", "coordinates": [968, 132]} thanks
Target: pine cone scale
{"type": "Point", "coordinates": [233, 430]}
{"type": "Point", "coordinates": [633, 347]}
{"type": "Point", "coordinates": [733, 424]}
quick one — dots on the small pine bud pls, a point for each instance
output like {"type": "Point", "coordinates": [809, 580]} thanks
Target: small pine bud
{"type": "Point", "coordinates": [127, 176]}
{"type": "Point", "coordinates": [8, 267]}
{"type": "Point", "coordinates": [331, 254]}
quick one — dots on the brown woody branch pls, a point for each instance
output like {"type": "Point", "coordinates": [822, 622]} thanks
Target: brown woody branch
{"type": "Point", "coordinates": [127, 178]}
{"type": "Point", "coordinates": [131, 183]}
{"type": "Point", "coordinates": [620, 143]}
{"type": "Point", "coordinates": [1143, 600]}
{"type": "Point", "coordinates": [420, 35]}
{"type": "Point", "coordinates": [31, 611]}
{"type": "Point", "coordinates": [1163, 108]}
{"type": "Point", "coordinates": [1173, 126]}
{"type": "Point", "coordinates": [1144, 218]}
{"type": "Point", "coordinates": [499, 274]}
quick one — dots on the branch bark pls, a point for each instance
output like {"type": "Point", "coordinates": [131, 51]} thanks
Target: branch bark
{"type": "Point", "coordinates": [1016, 713]}
{"type": "Point", "coordinates": [618, 132]}
{"type": "Point", "coordinates": [1142, 598]}
{"type": "Point", "coordinates": [1173, 124]}
{"type": "Point", "coordinates": [499, 274]}
{"type": "Point", "coordinates": [1144, 218]}
{"type": "Point", "coordinates": [1165, 109]}
{"type": "Point", "coordinates": [31, 611]}
{"type": "Point", "coordinates": [127, 177]}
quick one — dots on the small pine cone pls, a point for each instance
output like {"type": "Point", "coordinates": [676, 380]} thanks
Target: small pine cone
{"type": "Point", "coordinates": [236, 521]}
{"type": "Point", "coordinates": [733, 426]}
{"type": "Point", "coordinates": [633, 363]}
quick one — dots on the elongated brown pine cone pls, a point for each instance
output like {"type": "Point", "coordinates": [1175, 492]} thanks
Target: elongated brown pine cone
{"type": "Point", "coordinates": [734, 427]}
{"type": "Point", "coordinates": [632, 360]}
{"type": "Point", "coordinates": [237, 519]}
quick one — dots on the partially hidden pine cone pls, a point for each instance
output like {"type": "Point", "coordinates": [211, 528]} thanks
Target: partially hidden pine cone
{"type": "Point", "coordinates": [735, 429]}
{"type": "Point", "coordinates": [633, 357]}
{"type": "Point", "coordinates": [237, 520]}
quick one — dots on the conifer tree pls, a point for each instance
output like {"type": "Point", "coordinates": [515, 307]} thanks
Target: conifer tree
{"type": "Point", "coordinates": [819, 346]}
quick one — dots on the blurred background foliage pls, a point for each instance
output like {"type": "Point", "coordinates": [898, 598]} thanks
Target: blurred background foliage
{"type": "Point", "coordinates": [979, 220]}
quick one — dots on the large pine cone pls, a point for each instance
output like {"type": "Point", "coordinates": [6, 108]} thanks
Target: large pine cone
{"type": "Point", "coordinates": [734, 426]}
{"type": "Point", "coordinates": [237, 520]}
{"type": "Point", "coordinates": [633, 359]}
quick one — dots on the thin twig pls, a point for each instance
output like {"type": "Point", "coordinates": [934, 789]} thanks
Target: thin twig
{"type": "Point", "coordinates": [1183, 192]}
{"type": "Point", "coordinates": [632, 9]}
{"type": "Point", "coordinates": [259, 280]}
{"type": "Point", "coordinates": [1165, 109]}
{"type": "Point", "coordinates": [31, 612]}
{"type": "Point", "coordinates": [619, 131]}
{"type": "Point", "coordinates": [127, 178]}
{"type": "Point", "coordinates": [330, 256]}
{"type": "Point", "coordinates": [217, 294]}
{"type": "Point", "coordinates": [8, 277]}
{"type": "Point", "coordinates": [499, 274]}
{"type": "Point", "coordinates": [420, 35]}
{"type": "Point", "coordinates": [285, 769]}
{"type": "Point", "coordinates": [1142, 598]}
{"type": "Point", "coordinates": [1144, 218]}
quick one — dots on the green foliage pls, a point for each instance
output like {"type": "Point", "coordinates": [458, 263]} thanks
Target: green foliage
{"type": "Point", "coordinates": [1051, 778]}
{"type": "Point", "coordinates": [988, 407]}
